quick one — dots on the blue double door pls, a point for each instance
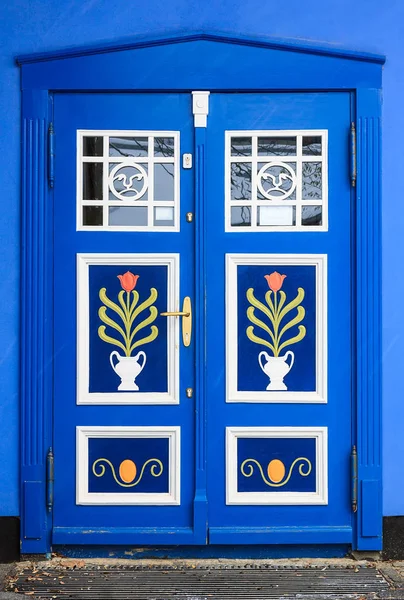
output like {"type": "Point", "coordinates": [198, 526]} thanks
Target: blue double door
{"type": "Point", "coordinates": [202, 324]}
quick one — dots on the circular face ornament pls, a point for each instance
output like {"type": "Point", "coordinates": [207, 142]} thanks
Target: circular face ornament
{"type": "Point", "coordinates": [128, 181]}
{"type": "Point", "coordinates": [276, 181]}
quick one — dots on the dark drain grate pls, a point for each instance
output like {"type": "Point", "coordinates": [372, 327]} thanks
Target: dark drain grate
{"type": "Point", "coordinates": [203, 583]}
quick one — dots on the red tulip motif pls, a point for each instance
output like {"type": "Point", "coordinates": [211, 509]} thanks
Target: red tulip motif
{"type": "Point", "coordinates": [275, 309]}
{"type": "Point", "coordinates": [128, 311]}
{"type": "Point", "coordinates": [275, 281]}
{"type": "Point", "coordinates": [128, 281]}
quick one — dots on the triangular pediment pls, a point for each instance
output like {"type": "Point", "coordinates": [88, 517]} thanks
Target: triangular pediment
{"type": "Point", "coordinates": [200, 60]}
{"type": "Point", "coordinates": [287, 45]}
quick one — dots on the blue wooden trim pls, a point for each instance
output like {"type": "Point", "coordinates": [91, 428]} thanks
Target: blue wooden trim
{"type": "Point", "coordinates": [123, 535]}
{"type": "Point", "coordinates": [280, 535]}
{"type": "Point", "coordinates": [236, 551]}
{"type": "Point", "coordinates": [200, 501]}
{"type": "Point", "coordinates": [36, 323]}
{"type": "Point", "coordinates": [293, 45]}
{"type": "Point", "coordinates": [368, 324]}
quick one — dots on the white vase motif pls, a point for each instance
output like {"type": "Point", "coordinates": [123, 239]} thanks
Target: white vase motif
{"type": "Point", "coordinates": [128, 368]}
{"type": "Point", "coordinates": [276, 368]}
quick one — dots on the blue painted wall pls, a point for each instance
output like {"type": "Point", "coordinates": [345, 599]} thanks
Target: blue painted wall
{"type": "Point", "coordinates": [42, 25]}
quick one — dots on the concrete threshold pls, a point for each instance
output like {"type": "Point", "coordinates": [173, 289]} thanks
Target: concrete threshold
{"type": "Point", "coordinates": [207, 579]}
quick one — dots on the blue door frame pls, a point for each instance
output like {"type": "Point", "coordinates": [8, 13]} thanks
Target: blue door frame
{"type": "Point", "coordinates": [195, 62]}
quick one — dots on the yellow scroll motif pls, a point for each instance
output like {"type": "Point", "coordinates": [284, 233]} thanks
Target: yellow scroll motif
{"type": "Point", "coordinates": [275, 312]}
{"type": "Point", "coordinates": [102, 469]}
{"type": "Point", "coordinates": [306, 464]}
{"type": "Point", "coordinates": [128, 310]}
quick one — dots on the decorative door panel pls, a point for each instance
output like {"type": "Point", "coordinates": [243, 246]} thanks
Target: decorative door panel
{"type": "Point", "coordinates": [269, 465]}
{"type": "Point", "coordinates": [278, 308]}
{"type": "Point", "coordinates": [123, 439]}
{"type": "Point", "coordinates": [127, 352]}
{"type": "Point", "coordinates": [276, 346]}
{"type": "Point", "coordinates": [105, 474]}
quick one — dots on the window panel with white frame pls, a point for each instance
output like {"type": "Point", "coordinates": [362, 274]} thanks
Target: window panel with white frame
{"type": "Point", "coordinates": [128, 180]}
{"type": "Point", "coordinates": [276, 180]}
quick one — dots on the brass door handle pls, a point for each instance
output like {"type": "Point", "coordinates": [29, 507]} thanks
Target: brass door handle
{"type": "Point", "coordinates": [186, 315]}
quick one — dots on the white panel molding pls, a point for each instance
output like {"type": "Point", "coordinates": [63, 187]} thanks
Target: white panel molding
{"type": "Point", "coordinates": [84, 261]}
{"type": "Point", "coordinates": [320, 496]}
{"type": "Point", "coordinates": [254, 159]}
{"type": "Point", "coordinates": [83, 496]}
{"type": "Point", "coordinates": [319, 261]}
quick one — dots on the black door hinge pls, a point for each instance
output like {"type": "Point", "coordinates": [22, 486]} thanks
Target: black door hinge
{"type": "Point", "coordinates": [49, 479]}
{"type": "Point", "coordinates": [354, 475]}
{"type": "Point", "coordinates": [51, 155]}
{"type": "Point", "coordinates": [353, 154]}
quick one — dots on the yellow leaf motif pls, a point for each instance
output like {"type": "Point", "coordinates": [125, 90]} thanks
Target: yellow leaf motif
{"type": "Point", "coordinates": [294, 340]}
{"type": "Point", "coordinates": [275, 311]}
{"type": "Point", "coordinates": [128, 310]}
{"type": "Point", "coordinates": [108, 339]}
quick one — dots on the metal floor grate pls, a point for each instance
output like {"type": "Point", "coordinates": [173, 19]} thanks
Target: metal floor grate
{"type": "Point", "coordinates": [203, 583]}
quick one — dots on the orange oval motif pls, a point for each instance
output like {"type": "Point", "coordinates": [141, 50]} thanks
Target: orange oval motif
{"type": "Point", "coordinates": [276, 470]}
{"type": "Point", "coordinates": [127, 471]}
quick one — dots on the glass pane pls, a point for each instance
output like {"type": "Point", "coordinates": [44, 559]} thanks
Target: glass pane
{"type": "Point", "coordinates": [164, 216]}
{"type": "Point", "coordinates": [164, 146]}
{"type": "Point", "coordinates": [312, 145]}
{"type": "Point", "coordinates": [128, 182]}
{"type": "Point", "coordinates": [93, 146]}
{"type": "Point", "coordinates": [276, 146]}
{"type": "Point", "coordinates": [128, 146]}
{"type": "Point", "coordinates": [128, 215]}
{"type": "Point", "coordinates": [276, 181]}
{"type": "Point", "coordinates": [312, 215]}
{"type": "Point", "coordinates": [241, 146]}
{"type": "Point", "coordinates": [312, 181]}
{"type": "Point", "coordinates": [92, 181]}
{"type": "Point", "coordinates": [240, 216]}
{"type": "Point", "coordinates": [92, 215]}
{"type": "Point", "coordinates": [164, 181]}
{"type": "Point", "coordinates": [276, 215]}
{"type": "Point", "coordinates": [240, 181]}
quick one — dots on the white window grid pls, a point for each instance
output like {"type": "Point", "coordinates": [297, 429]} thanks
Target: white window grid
{"type": "Point", "coordinates": [150, 160]}
{"type": "Point", "coordinates": [256, 159]}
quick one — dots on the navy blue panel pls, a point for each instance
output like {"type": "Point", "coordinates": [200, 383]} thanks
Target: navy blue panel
{"type": "Point", "coordinates": [153, 377]}
{"type": "Point", "coordinates": [302, 375]}
{"type": "Point", "coordinates": [255, 455]}
{"type": "Point", "coordinates": [149, 455]}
